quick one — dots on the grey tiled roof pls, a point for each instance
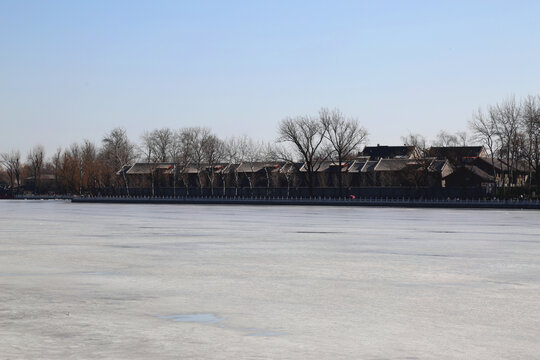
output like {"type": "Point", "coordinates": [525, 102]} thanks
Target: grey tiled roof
{"type": "Point", "coordinates": [438, 165]}
{"type": "Point", "coordinates": [387, 152]}
{"type": "Point", "coordinates": [369, 166]}
{"type": "Point", "coordinates": [254, 167]}
{"type": "Point", "coordinates": [498, 164]}
{"type": "Point", "coordinates": [456, 152]}
{"type": "Point", "coordinates": [147, 168]}
{"type": "Point", "coordinates": [479, 172]}
{"type": "Point", "coordinates": [289, 168]}
{"type": "Point", "coordinates": [485, 177]}
{"type": "Point", "coordinates": [392, 164]}
{"type": "Point", "coordinates": [329, 166]}
{"type": "Point", "coordinates": [358, 164]}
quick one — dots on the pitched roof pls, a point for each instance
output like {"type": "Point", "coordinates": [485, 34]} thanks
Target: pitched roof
{"type": "Point", "coordinates": [254, 167]}
{"type": "Point", "coordinates": [498, 164]}
{"type": "Point", "coordinates": [437, 165]}
{"type": "Point", "coordinates": [187, 169]}
{"type": "Point", "coordinates": [444, 167]}
{"type": "Point", "coordinates": [456, 153]}
{"type": "Point", "coordinates": [328, 166]}
{"type": "Point", "coordinates": [41, 177]}
{"type": "Point", "coordinates": [215, 167]}
{"type": "Point", "coordinates": [289, 168]}
{"type": "Point", "coordinates": [230, 168]}
{"type": "Point", "coordinates": [485, 177]}
{"type": "Point", "coordinates": [358, 164]}
{"type": "Point", "coordinates": [146, 168]}
{"type": "Point", "coordinates": [124, 169]}
{"type": "Point", "coordinates": [432, 165]}
{"type": "Point", "coordinates": [392, 164]}
{"type": "Point", "coordinates": [388, 152]}
{"type": "Point", "coordinates": [479, 172]}
{"type": "Point", "coordinates": [369, 166]}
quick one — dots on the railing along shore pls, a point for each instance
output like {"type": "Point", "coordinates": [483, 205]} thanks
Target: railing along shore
{"type": "Point", "coordinates": [318, 201]}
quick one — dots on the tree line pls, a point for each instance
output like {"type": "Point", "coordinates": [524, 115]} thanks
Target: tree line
{"type": "Point", "coordinates": [509, 130]}
{"type": "Point", "coordinates": [86, 167]}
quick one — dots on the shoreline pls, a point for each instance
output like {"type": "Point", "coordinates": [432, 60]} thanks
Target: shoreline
{"type": "Point", "coordinates": [445, 204]}
{"type": "Point", "coordinates": [368, 202]}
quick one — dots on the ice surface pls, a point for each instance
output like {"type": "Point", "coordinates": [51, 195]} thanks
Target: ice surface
{"type": "Point", "coordinates": [256, 332]}
{"type": "Point", "coordinates": [99, 281]}
{"type": "Point", "coordinates": [195, 318]}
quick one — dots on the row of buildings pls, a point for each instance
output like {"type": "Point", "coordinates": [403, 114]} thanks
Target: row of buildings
{"type": "Point", "coordinates": [467, 167]}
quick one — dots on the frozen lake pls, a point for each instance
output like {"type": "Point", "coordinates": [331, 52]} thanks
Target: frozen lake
{"type": "Point", "coordinates": [99, 281]}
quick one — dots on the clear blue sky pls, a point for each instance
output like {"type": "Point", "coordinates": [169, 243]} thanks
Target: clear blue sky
{"type": "Point", "coordinates": [71, 70]}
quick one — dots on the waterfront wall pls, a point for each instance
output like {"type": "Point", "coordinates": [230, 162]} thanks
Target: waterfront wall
{"type": "Point", "coordinates": [380, 202]}
{"type": "Point", "coordinates": [358, 192]}
{"type": "Point", "coordinates": [316, 201]}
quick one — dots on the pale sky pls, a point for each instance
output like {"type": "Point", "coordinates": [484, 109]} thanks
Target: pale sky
{"type": "Point", "coordinates": [71, 70]}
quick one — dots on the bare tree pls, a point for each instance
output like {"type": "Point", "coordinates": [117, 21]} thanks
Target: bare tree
{"type": "Point", "coordinates": [253, 155]}
{"type": "Point", "coordinates": [156, 149]}
{"type": "Point", "coordinates": [56, 161]}
{"type": "Point", "coordinates": [507, 117]}
{"type": "Point", "coordinates": [118, 152]}
{"type": "Point", "coordinates": [462, 138]}
{"type": "Point", "coordinates": [195, 139]}
{"type": "Point", "coordinates": [345, 137]}
{"type": "Point", "coordinates": [283, 154]}
{"type": "Point", "coordinates": [35, 158]}
{"type": "Point", "coordinates": [12, 164]}
{"type": "Point", "coordinates": [162, 141]}
{"type": "Point", "coordinates": [417, 140]}
{"type": "Point", "coordinates": [307, 134]}
{"type": "Point", "coordinates": [234, 156]}
{"type": "Point", "coordinates": [268, 156]}
{"type": "Point", "coordinates": [3, 178]}
{"type": "Point", "coordinates": [190, 154]}
{"type": "Point", "coordinates": [484, 128]}
{"type": "Point", "coordinates": [531, 129]}
{"type": "Point", "coordinates": [147, 149]}
{"type": "Point", "coordinates": [90, 168]}
{"type": "Point", "coordinates": [271, 159]}
{"type": "Point", "coordinates": [213, 150]}
{"type": "Point", "coordinates": [445, 139]}
{"type": "Point", "coordinates": [418, 170]}
{"type": "Point", "coordinates": [70, 169]}
{"type": "Point", "coordinates": [178, 156]}
{"type": "Point", "coordinates": [76, 153]}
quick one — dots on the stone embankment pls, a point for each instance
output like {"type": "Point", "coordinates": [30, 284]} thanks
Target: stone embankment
{"type": "Point", "coordinates": [381, 202]}
{"type": "Point", "coordinates": [411, 203]}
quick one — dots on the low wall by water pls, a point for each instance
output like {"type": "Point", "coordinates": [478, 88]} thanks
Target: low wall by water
{"type": "Point", "coordinates": [42, 197]}
{"type": "Point", "coordinates": [316, 201]}
{"type": "Point", "coordinates": [304, 192]}
{"type": "Point", "coordinates": [436, 203]}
